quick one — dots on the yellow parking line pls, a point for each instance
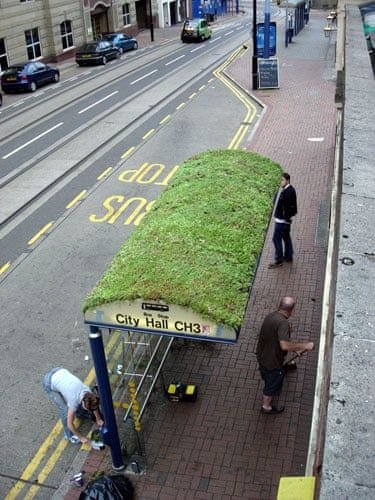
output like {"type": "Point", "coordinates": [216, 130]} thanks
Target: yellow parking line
{"type": "Point", "coordinates": [5, 267]}
{"type": "Point", "coordinates": [202, 87]}
{"type": "Point", "coordinates": [103, 174]}
{"type": "Point", "coordinates": [48, 442]}
{"type": "Point", "coordinates": [78, 197]}
{"type": "Point", "coordinates": [150, 132]}
{"type": "Point", "coordinates": [164, 119]}
{"type": "Point", "coordinates": [211, 80]}
{"type": "Point", "coordinates": [180, 105]}
{"type": "Point", "coordinates": [40, 233]}
{"type": "Point", "coordinates": [127, 153]}
{"type": "Point", "coordinates": [192, 95]}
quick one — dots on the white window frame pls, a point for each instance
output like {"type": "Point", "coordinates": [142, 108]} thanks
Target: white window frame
{"type": "Point", "coordinates": [4, 55]}
{"type": "Point", "coordinates": [67, 35]}
{"type": "Point", "coordinates": [126, 14]}
{"type": "Point", "coordinates": [33, 44]}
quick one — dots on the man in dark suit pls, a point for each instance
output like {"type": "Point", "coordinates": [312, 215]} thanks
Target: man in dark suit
{"type": "Point", "coordinates": [285, 209]}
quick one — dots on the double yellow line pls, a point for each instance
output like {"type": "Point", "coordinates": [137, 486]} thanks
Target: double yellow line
{"type": "Point", "coordinates": [251, 109]}
{"type": "Point", "coordinates": [40, 455]}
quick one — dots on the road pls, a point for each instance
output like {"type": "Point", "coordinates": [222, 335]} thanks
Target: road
{"type": "Point", "coordinates": [78, 174]}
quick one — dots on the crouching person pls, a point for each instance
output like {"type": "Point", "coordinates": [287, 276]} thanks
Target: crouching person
{"type": "Point", "coordinates": [73, 398]}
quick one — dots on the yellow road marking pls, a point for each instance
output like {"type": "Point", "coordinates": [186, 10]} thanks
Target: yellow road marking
{"type": "Point", "coordinates": [150, 132]}
{"type": "Point", "coordinates": [78, 197]}
{"type": "Point", "coordinates": [103, 174]}
{"type": "Point", "coordinates": [180, 105]}
{"type": "Point", "coordinates": [5, 267]}
{"type": "Point", "coordinates": [192, 95]}
{"type": "Point", "coordinates": [202, 87]}
{"type": "Point", "coordinates": [40, 233]}
{"type": "Point", "coordinates": [164, 119]}
{"type": "Point", "coordinates": [48, 442]}
{"type": "Point", "coordinates": [211, 80]}
{"type": "Point", "coordinates": [127, 153]}
{"type": "Point", "coordinates": [251, 110]}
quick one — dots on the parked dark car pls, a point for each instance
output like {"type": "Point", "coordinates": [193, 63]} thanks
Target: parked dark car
{"type": "Point", "coordinates": [28, 76]}
{"type": "Point", "coordinates": [122, 41]}
{"type": "Point", "coordinates": [97, 53]}
{"type": "Point", "coordinates": [1, 99]}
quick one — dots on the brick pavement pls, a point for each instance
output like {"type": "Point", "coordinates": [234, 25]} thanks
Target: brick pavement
{"type": "Point", "coordinates": [222, 447]}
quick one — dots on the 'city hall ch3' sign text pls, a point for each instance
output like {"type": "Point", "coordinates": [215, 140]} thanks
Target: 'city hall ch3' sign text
{"type": "Point", "coordinates": [160, 319]}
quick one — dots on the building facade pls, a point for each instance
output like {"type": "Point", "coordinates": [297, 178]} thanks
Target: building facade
{"type": "Point", "coordinates": [52, 29]}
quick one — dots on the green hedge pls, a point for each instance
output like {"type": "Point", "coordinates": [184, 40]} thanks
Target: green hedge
{"type": "Point", "coordinates": [198, 246]}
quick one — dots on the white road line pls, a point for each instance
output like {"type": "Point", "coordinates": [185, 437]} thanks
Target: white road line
{"type": "Point", "coordinates": [97, 102]}
{"type": "Point", "coordinates": [18, 104]}
{"type": "Point", "coordinates": [32, 140]}
{"type": "Point", "coordinates": [174, 60]}
{"type": "Point", "coordinates": [215, 39]}
{"type": "Point", "coordinates": [142, 77]}
{"type": "Point", "coordinates": [229, 32]}
{"type": "Point", "coordinates": [197, 48]}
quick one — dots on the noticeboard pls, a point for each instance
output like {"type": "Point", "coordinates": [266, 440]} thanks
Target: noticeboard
{"type": "Point", "coordinates": [268, 73]}
{"type": "Point", "coordinates": [272, 39]}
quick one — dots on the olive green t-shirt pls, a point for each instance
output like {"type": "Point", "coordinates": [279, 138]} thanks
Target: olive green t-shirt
{"type": "Point", "coordinates": [275, 327]}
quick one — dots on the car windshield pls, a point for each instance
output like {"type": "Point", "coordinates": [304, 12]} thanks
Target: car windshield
{"type": "Point", "coordinates": [191, 24]}
{"type": "Point", "coordinates": [89, 47]}
{"type": "Point", "coordinates": [110, 37]}
{"type": "Point", "coordinates": [15, 69]}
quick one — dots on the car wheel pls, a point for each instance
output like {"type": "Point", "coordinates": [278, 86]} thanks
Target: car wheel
{"type": "Point", "coordinates": [80, 64]}
{"type": "Point", "coordinates": [135, 46]}
{"type": "Point", "coordinates": [56, 77]}
{"type": "Point", "coordinates": [121, 50]}
{"type": "Point", "coordinates": [201, 38]}
{"type": "Point", "coordinates": [1, 100]}
{"type": "Point", "coordinates": [32, 86]}
{"type": "Point", "coordinates": [104, 60]}
{"type": "Point", "coordinates": [118, 55]}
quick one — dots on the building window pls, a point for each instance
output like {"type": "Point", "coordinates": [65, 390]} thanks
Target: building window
{"type": "Point", "coordinates": [33, 43]}
{"type": "Point", "coordinates": [66, 34]}
{"type": "Point", "coordinates": [3, 55]}
{"type": "Point", "coordinates": [24, 1]}
{"type": "Point", "coordinates": [126, 14]}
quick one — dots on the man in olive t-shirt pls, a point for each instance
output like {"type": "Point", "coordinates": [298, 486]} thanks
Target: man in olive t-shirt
{"type": "Point", "coordinates": [273, 345]}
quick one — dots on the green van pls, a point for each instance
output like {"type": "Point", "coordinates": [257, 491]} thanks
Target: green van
{"type": "Point", "coordinates": [195, 30]}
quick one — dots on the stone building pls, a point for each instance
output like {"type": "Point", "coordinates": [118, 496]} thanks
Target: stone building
{"type": "Point", "coordinates": [52, 29]}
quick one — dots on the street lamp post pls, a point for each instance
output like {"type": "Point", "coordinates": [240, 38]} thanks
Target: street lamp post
{"type": "Point", "coordinates": [255, 57]}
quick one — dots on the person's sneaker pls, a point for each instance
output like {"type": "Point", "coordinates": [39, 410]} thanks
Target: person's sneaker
{"type": "Point", "coordinates": [273, 410]}
{"type": "Point", "coordinates": [288, 260]}
{"type": "Point", "coordinates": [274, 264]}
{"type": "Point", "coordinates": [73, 439]}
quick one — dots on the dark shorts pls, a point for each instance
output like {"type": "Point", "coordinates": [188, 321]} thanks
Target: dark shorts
{"type": "Point", "coordinates": [273, 381]}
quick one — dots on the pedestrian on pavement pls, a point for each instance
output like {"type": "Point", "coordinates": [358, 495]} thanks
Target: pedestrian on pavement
{"type": "Point", "coordinates": [73, 398]}
{"type": "Point", "coordinates": [285, 208]}
{"type": "Point", "coordinates": [273, 345]}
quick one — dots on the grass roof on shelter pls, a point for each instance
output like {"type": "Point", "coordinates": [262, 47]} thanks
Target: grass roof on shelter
{"type": "Point", "coordinates": [198, 246]}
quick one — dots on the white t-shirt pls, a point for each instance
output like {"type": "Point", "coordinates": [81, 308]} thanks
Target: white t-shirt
{"type": "Point", "coordinates": [70, 387]}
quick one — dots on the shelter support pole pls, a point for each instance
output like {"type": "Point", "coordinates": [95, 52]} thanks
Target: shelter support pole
{"type": "Point", "coordinates": [101, 371]}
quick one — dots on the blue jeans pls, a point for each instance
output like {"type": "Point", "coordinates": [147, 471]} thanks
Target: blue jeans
{"type": "Point", "coordinates": [58, 400]}
{"type": "Point", "coordinates": [282, 234]}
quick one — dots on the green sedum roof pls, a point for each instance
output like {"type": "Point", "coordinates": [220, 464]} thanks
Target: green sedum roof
{"type": "Point", "coordinates": [198, 247]}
